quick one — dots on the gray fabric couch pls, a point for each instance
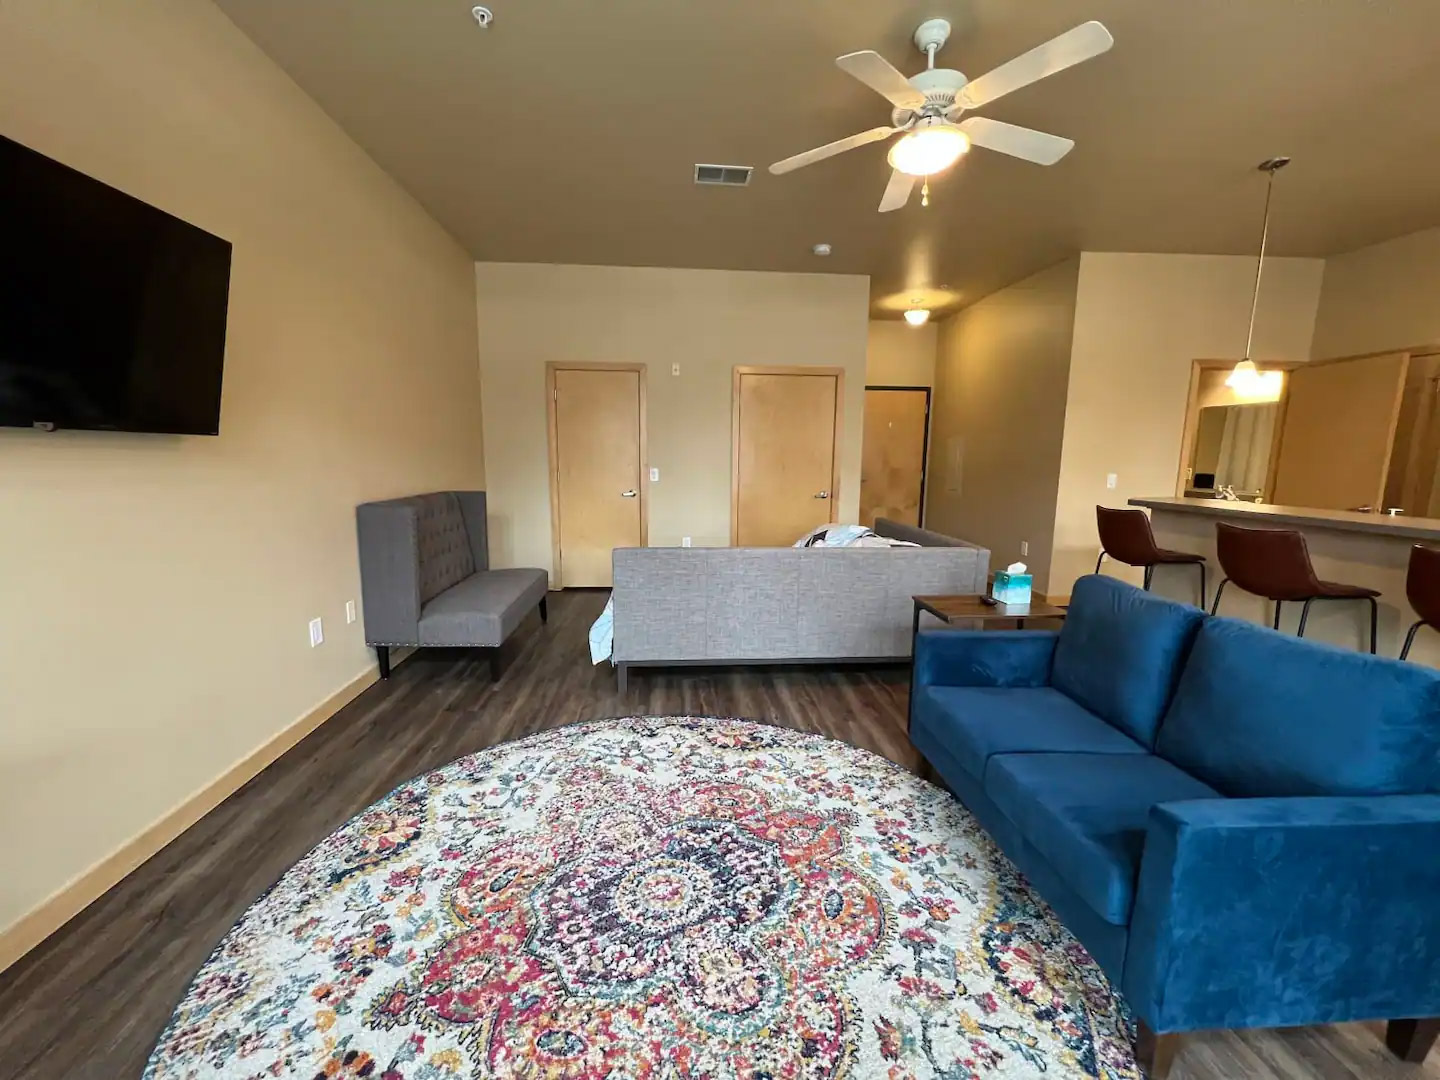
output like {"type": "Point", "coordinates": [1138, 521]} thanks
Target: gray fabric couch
{"type": "Point", "coordinates": [685, 606]}
{"type": "Point", "coordinates": [425, 576]}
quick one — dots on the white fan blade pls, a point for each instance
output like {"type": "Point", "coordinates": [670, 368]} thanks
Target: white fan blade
{"type": "Point", "coordinates": [1021, 142]}
{"type": "Point", "coordinates": [881, 76]}
{"type": "Point", "coordinates": [1070, 48]}
{"type": "Point", "coordinates": [897, 192]}
{"type": "Point", "coordinates": [820, 153]}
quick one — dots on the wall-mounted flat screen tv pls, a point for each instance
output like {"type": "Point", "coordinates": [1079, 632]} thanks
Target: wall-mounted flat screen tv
{"type": "Point", "coordinates": [112, 313]}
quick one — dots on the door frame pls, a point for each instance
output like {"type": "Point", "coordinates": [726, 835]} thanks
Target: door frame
{"type": "Point", "coordinates": [924, 451]}
{"type": "Point", "coordinates": [553, 437]}
{"type": "Point", "coordinates": [780, 369]}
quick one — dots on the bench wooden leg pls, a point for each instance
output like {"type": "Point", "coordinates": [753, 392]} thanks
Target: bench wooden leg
{"type": "Point", "coordinates": [1411, 1040]}
{"type": "Point", "coordinates": [622, 676]}
{"type": "Point", "coordinates": [382, 653]}
{"type": "Point", "coordinates": [1155, 1053]}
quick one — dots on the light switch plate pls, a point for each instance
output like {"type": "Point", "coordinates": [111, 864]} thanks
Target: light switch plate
{"type": "Point", "coordinates": [674, 369]}
{"type": "Point", "coordinates": [349, 611]}
{"type": "Point", "coordinates": [1111, 480]}
{"type": "Point", "coordinates": [684, 541]}
{"type": "Point", "coordinates": [654, 476]}
{"type": "Point", "coordinates": [317, 632]}
{"type": "Point", "coordinates": [1024, 547]}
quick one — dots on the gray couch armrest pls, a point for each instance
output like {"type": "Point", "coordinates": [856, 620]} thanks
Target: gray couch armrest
{"type": "Point", "coordinates": [389, 572]}
{"type": "Point", "coordinates": [472, 509]}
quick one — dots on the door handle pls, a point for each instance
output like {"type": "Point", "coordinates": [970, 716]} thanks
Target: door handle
{"type": "Point", "coordinates": [629, 494]}
{"type": "Point", "coordinates": [822, 495]}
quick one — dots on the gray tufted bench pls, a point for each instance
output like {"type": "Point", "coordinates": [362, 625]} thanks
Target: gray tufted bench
{"type": "Point", "coordinates": [425, 576]}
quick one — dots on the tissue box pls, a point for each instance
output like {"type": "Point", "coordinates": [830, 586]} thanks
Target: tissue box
{"type": "Point", "coordinates": [1011, 588]}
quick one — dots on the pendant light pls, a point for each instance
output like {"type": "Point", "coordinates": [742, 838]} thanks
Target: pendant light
{"type": "Point", "coordinates": [1246, 379]}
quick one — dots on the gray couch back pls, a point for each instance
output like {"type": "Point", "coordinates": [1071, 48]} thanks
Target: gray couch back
{"type": "Point", "coordinates": [924, 537]}
{"type": "Point", "coordinates": [744, 604]}
{"type": "Point", "coordinates": [411, 550]}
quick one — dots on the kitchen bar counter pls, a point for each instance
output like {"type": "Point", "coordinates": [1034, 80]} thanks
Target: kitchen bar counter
{"type": "Point", "coordinates": [1417, 529]}
{"type": "Point", "coordinates": [1357, 549]}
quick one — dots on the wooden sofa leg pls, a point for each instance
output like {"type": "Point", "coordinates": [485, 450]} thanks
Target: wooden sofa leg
{"type": "Point", "coordinates": [1155, 1053]}
{"type": "Point", "coordinates": [382, 653]}
{"type": "Point", "coordinates": [1411, 1040]}
{"type": "Point", "coordinates": [622, 676]}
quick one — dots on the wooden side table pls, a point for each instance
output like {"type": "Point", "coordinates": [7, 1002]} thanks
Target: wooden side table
{"type": "Point", "coordinates": [953, 609]}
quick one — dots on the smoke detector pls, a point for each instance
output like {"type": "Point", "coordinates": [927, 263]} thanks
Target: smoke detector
{"type": "Point", "coordinates": [483, 16]}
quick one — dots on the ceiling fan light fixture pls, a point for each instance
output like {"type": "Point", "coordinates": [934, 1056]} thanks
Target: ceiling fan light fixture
{"type": "Point", "coordinates": [917, 316]}
{"type": "Point", "coordinates": [929, 149]}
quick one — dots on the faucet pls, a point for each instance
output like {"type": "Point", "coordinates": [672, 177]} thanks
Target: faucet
{"type": "Point", "coordinates": [1227, 492]}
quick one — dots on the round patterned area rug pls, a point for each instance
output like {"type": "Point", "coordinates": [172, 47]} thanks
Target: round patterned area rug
{"type": "Point", "coordinates": [657, 898]}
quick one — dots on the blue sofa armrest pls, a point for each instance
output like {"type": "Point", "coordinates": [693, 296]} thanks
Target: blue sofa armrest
{"type": "Point", "coordinates": [1280, 912]}
{"type": "Point", "coordinates": [1009, 658]}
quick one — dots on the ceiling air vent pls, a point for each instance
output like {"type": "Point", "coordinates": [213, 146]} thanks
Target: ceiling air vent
{"type": "Point", "coordinates": [728, 175]}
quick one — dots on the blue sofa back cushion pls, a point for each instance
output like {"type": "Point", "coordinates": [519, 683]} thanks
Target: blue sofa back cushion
{"type": "Point", "coordinates": [1261, 714]}
{"type": "Point", "coordinates": [1120, 653]}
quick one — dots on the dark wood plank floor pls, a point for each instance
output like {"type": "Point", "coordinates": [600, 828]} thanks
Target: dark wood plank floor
{"type": "Point", "coordinates": [91, 1001]}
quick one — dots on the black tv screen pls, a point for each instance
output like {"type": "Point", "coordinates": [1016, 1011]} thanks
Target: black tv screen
{"type": "Point", "coordinates": [112, 313]}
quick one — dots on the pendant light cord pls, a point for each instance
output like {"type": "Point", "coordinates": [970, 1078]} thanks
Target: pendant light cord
{"type": "Point", "coordinates": [1271, 166]}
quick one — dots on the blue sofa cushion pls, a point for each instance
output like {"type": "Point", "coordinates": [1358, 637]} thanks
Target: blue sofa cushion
{"type": "Point", "coordinates": [975, 722]}
{"type": "Point", "coordinates": [1120, 653]}
{"type": "Point", "coordinates": [1264, 714]}
{"type": "Point", "coordinates": [1087, 815]}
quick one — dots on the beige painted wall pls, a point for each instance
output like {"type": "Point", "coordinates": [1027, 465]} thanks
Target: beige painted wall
{"type": "Point", "coordinates": [1139, 322]}
{"type": "Point", "coordinates": [707, 321]}
{"type": "Point", "coordinates": [1386, 296]}
{"type": "Point", "coordinates": [997, 417]}
{"type": "Point", "coordinates": [155, 590]}
{"type": "Point", "coordinates": [898, 354]}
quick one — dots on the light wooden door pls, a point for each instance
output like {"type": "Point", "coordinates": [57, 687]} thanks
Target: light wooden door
{"type": "Point", "coordinates": [892, 470]}
{"type": "Point", "coordinates": [1338, 432]}
{"type": "Point", "coordinates": [597, 455]}
{"type": "Point", "coordinates": [786, 423]}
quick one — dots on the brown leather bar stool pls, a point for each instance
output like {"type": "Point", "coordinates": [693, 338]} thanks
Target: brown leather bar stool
{"type": "Point", "coordinates": [1275, 564]}
{"type": "Point", "coordinates": [1126, 536]}
{"type": "Point", "coordinates": [1422, 589]}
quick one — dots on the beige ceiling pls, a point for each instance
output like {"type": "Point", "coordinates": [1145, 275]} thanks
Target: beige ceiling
{"type": "Point", "coordinates": [568, 131]}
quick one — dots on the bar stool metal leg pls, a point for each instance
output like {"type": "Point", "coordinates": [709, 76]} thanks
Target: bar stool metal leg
{"type": "Point", "coordinates": [1219, 591]}
{"type": "Point", "coordinates": [1099, 561]}
{"type": "Point", "coordinates": [1410, 639]}
{"type": "Point", "coordinates": [1276, 624]}
{"type": "Point", "coordinates": [1304, 614]}
{"type": "Point", "coordinates": [1374, 619]}
{"type": "Point", "coordinates": [1149, 572]}
{"type": "Point", "coordinates": [1201, 565]}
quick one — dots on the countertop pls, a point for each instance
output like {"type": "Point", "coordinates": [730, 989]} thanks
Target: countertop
{"type": "Point", "coordinates": [1400, 526]}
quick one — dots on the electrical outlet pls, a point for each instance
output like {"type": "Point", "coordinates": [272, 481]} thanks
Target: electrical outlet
{"type": "Point", "coordinates": [684, 541]}
{"type": "Point", "coordinates": [349, 612]}
{"type": "Point", "coordinates": [1111, 480]}
{"type": "Point", "coordinates": [317, 632]}
{"type": "Point", "coordinates": [654, 476]}
{"type": "Point", "coordinates": [674, 369]}
{"type": "Point", "coordinates": [1024, 547]}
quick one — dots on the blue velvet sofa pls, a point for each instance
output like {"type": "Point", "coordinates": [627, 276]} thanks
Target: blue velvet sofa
{"type": "Point", "coordinates": [1243, 828]}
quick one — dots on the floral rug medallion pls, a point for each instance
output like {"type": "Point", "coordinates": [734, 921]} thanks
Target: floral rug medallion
{"type": "Point", "coordinates": [664, 898]}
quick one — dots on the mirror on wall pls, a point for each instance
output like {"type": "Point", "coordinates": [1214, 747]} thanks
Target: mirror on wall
{"type": "Point", "coordinates": [1232, 449]}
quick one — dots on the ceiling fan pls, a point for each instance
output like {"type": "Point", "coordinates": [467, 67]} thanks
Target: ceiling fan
{"type": "Point", "coordinates": [928, 107]}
